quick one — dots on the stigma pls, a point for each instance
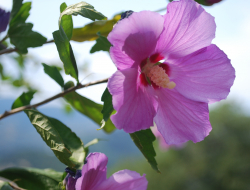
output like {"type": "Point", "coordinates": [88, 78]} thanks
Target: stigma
{"type": "Point", "coordinates": [157, 75]}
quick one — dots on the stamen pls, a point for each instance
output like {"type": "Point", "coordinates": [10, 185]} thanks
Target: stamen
{"type": "Point", "coordinates": [155, 73]}
{"type": "Point", "coordinates": [160, 78]}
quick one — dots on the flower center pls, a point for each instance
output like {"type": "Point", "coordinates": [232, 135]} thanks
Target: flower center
{"type": "Point", "coordinates": [156, 74]}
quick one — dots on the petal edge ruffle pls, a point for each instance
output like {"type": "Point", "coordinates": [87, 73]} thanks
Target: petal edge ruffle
{"type": "Point", "coordinates": [187, 28]}
{"type": "Point", "coordinates": [179, 119]}
{"type": "Point", "coordinates": [136, 36]}
{"type": "Point", "coordinates": [124, 180]}
{"type": "Point", "coordinates": [205, 76]}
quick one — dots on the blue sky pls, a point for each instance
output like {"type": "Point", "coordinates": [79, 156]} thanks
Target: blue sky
{"type": "Point", "coordinates": [232, 36]}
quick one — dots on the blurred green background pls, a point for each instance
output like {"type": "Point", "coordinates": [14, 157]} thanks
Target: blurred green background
{"type": "Point", "coordinates": [221, 161]}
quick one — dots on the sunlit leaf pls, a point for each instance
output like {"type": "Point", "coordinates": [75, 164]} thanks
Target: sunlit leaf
{"type": "Point", "coordinates": [102, 44]}
{"type": "Point", "coordinates": [67, 147]}
{"type": "Point", "coordinates": [33, 179]}
{"type": "Point", "coordinates": [66, 22]}
{"type": "Point", "coordinates": [22, 15]}
{"type": "Point", "coordinates": [54, 73]}
{"type": "Point", "coordinates": [15, 8]}
{"type": "Point", "coordinates": [144, 141]}
{"type": "Point", "coordinates": [89, 108]}
{"type": "Point", "coordinates": [84, 9]}
{"type": "Point", "coordinates": [23, 100]}
{"type": "Point", "coordinates": [89, 31]}
{"type": "Point", "coordinates": [22, 37]}
{"type": "Point", "coordinates": [66, 53]}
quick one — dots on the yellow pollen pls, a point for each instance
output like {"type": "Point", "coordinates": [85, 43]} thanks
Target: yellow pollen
{"type": "Point", "coordinates": [158, 75]}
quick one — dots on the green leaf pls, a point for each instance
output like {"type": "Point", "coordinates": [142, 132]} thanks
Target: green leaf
{"type": "Point", "coordinates": [22, 15]}
{"type": "Point", "coordinates": [144, 141]}
{"type": "Point", "coordinates": [20, 33]}
{"type": "Point", "coordinates": [84, 9]}
{"type": "Point", "coordinates": [1, 71]}
{"type": "Point", "coordinates": [23, 100]}
{"type": "Point", "coordinates": [66, 22]}
{"type": "Point", "coordinates": [5, 186]}
{"type": "Point", "coordinates": [17, 4]}
{"type": "Point", "coordinates": [54, 73]}
{"type": "Point", "coordinates": [22, 37]}
{"type": "Point", "coordinates": [202, 2]}
{"type": "Point", "coordinates": [32, 178]}
{"type": "Point", "coordinates": [67, 108]}
{"type": "Point", "coordinates": [88, 108]}
{"type": "Point", "coordinates": [67, 147]}
{"type": "Point", "coordinates": [102, 44]}
{"type": "Point", "coordinates": [20, 59]}
{"type": "Point", "coordinates": [107, 104]}
{"type": "Point", "coordinates": [66, 53]}
{"type": "Point", "coordinates": [89, 31]}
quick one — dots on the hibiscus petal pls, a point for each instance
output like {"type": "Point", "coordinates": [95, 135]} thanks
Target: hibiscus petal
{"type": "Point", "coordinates": [93, 172]}
{"type": "Point", "coordinates": [179, 119]}
{"type": "Point", "coordinates": [120, 58]}
{"type": "Point", "coordinates": [205, 76]}
{"type": "Point", "coordinates": [124, 180]}
{"type": "Point", "coordinates": [133, 102]}
{"type": "Point", "coordinates": [71, 183]}
{"type": "Point", "coordinates": [188, 28]}
{"type": "Point", "coordinates": [136, 37]}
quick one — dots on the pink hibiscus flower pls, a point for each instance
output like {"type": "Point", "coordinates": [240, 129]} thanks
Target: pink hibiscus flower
{"type": "Point", "coordinates": [168, 72]}
{"type": "Point", "coordinates": [94, 173]}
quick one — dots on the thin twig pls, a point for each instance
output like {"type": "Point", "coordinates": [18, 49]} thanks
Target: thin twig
{"type": "Point", "coordinates": [10, 50]}
{"type": "Point", "coordinates": [15, 187]}
{"type": "Point", "coordinates": [16, 110]}
{"type": "Point", "coordinates": [50, 41]}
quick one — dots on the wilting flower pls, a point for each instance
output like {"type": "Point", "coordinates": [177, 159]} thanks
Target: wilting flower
{"type": "Point", "coordinates": [4, 20]}
{"type": "Point", "coordinates": [70, 179]}
{"type": "Point", "coordinates": [168, 72]}
{"type": "Point", "coordinates": [94, 176]}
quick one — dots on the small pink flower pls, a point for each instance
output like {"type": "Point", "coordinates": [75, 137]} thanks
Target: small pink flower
{"type": "Point", "coordinates": [168, 72]}
{"type": "Point", "coordinates": [94, 176]}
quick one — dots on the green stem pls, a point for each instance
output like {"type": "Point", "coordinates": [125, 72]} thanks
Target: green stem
{"type": "Point", "coordinates": [4, 38]}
